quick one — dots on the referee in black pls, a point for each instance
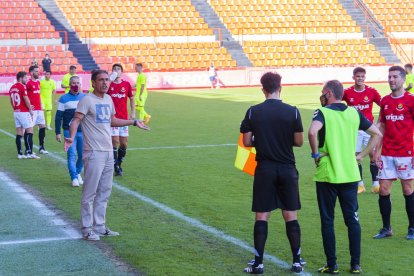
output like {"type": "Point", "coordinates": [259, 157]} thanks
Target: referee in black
{"type": "Point", "coordinates": [274, 128]}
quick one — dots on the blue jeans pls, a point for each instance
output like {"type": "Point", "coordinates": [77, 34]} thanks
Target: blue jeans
{"type": "Point", "coordinates": [74, 166]}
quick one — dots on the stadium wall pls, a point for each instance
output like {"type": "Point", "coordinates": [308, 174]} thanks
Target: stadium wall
{"type": "Point", "coordinates": [230, 78]}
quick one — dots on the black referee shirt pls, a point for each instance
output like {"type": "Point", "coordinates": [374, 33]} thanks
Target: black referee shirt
{"type": "Point", "coordinates": [273, 124]}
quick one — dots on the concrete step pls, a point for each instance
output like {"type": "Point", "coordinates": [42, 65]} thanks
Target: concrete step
{"type": "Point", "coordinates": [58, 20]}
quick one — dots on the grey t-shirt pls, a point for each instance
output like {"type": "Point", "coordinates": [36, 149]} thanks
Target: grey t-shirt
{"type": "Point", "coordinates": [96, 125]}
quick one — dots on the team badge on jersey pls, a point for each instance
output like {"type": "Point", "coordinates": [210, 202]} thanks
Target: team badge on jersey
{"type": "Point", "coordinates": [103, 113]}
{"type": "Point", "coordinates": [400, 107]}
{"type": "Point", "coordinates": [366, 99]}
{"type": "Point", "coordinates": [123, 90]}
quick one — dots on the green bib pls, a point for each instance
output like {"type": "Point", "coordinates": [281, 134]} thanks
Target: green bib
{"type": "Point", "coordinates": [340, 165]}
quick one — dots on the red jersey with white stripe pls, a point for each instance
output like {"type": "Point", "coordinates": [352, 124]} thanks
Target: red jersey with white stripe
{"type": "Point", "coordinates": [397, 114]}
{"type": "Point", "coordinates": [33, 91]}
{"type": "Point", "coordinates": [17, 91]}
{"type": "Point", "coordinates": [362, 100]}
{"type": "Point", "coordinates": [120, 92]}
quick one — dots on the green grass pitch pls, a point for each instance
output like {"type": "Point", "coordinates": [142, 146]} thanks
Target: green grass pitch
{"type": "Point", "coordinates": [202, 183]}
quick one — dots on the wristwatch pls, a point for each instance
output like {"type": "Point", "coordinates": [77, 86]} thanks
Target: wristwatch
{"type": "Point", "coordinates": [135, 122]}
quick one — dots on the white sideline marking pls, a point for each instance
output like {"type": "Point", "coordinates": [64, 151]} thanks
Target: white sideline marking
{"type": "Point", "coordinates": [193, 222]}
{"type": "Point", "coordinates": [42, 209]}
{"type": "Point", "coordinates": [34, 241]}
{"type": "Point", "coordinates": [184, 147]}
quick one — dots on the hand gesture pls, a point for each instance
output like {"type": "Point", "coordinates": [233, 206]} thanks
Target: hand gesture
{"type": "Point", "coordinates": [141, 125]}
{"type": "Point", "coordinates": [68, 143]}
{"type": "Point", "coordinates": [58, 138]}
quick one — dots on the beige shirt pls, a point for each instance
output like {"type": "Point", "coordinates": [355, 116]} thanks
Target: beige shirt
{"type": "Point", "coordinates": [96, 125]}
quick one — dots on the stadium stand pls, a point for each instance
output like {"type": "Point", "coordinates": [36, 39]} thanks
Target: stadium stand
{"type": "Point", "coordinates": [134, 18]}
{"type": "Point", "coordinates": [284, 17]}
{"type": "Point", "coordinates": [306, 53]}
{"type": "Point", "coordinates": [175, 36]}
{"type": "Point", "coordinates": [163, 56]}
{"type": "Point", "coordinates": [393, 16]}
{"type": "Point", "coordinates": [25, 34]}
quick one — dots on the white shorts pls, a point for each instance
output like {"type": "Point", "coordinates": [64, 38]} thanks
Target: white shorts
{"type": "Point", "coordinates": [362, 140]}
{"type": "Point", "coordinates": [23, 119]}
{"type": "Point", "coordinates": [395, 167]}
{"type": "Point", "coordinates": [38, 117]}
{"type": "Point", "coordinates": [120, 131]}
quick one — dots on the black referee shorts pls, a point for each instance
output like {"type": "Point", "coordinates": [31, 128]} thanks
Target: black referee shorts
{"type": "Point", "coordinates": [275, 186]}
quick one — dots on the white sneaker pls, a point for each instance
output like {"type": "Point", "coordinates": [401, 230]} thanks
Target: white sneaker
{"type": "Point", "coordinates": [80, 180]}
{"type": "Point", "coordinates": [43, 151]}
{"type": "Point", "coordinates": [108, 233]}
{"type": "Point", "coordinates": [21, 156]}
{"type": "Point", "coordinates": [91, 236]}
{"type": "Point", "coordinates": [49, 128]}
{"type": "Point", "coordinates": [32, 156]}
{"type": "Point", "coordinates": [75, 182]}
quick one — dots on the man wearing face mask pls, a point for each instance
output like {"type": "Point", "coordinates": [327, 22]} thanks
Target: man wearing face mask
{"type": "Point", "coordinates": [332, 138]}
{"type": "Point", "coordinates": [66, 110]}
{"type": "Point", "coordinates": [120, 91]}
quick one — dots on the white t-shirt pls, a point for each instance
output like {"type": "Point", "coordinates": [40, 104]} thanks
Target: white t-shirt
{"type": "Point", "coordinates": [96, 125]}
{"type": "Point", "coordinates": [212, 71]}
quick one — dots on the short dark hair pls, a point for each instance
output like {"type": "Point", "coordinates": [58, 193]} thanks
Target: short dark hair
{"type": "Point", "coordinates": [20, 75]}
{"type": "Point", "coordinates": [271, 82]}
{"type": "Point", "coordinates": [399, 69]}
{"type": "Point", "coordinates": [96, 73]}
{"type": "Point", "coordinates": [336, 87]}
{"type": "Point", "coordinates": [119, 65]}
{"type": "Point", "coordinates": [72, 67]}
{"type": "Point", "coordinates": [409, 65]}
{"type": "Point", "coordinates": [73, 77]}
{"type": "Point", "coordinates": [31, 68]}
{"type": "Point", "coordinates": [139, 64]}
{"type": "Point", "coordinates": [359, 70]}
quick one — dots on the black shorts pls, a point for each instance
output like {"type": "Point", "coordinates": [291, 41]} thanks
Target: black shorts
{"type": "Point", "coordinates": [275, 186]}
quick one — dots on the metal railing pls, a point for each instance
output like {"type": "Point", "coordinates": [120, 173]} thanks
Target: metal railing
{"type": "Point", "coordinates": [369, 17]}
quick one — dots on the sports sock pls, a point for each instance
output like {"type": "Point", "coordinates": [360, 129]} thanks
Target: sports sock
{"type": "Point", "coordinates": [42, 135]}
{"type": "Point", "coordinates": [26, 144]}
{"type": "Point", "coordinates": [19, 144]}
{"type": "Point", "coordinates": [293, 234]}
{"type": "Point", "coordinates": [409, 207]}
{"type": "Point", "coordinates": [374, 171]}
{"type": "Point", "coordinates": [48, 114]}
{"type": "Point", "coordinates": [360, 170]}
{"type": "Point", "coordinates": [115, 156]}
{"type": "Point", "coordinates": [29, 142]}
{"type": "Point", "coordinates": [121, 155]}
{"type": "Point", "coordinates": [260, 237]}
{"type": "Point", "coordinates": [385, 209]}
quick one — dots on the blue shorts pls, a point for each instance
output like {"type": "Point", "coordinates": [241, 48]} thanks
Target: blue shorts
{"type": "Point", "coordinates": [212, 78]}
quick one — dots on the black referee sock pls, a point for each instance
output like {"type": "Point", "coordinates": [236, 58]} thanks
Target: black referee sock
{"type": "Point", "coordinates": [293, 234]}
{"type": "Point", "coordinates": [260, 237]}
{"type": "Point", "coordinates": [409, 207]}
{"type": "Point", "coordinates": [42, 135]}
{"type": "Point", "coordinates": [360, 170]}
{"type": "Point", "coordinates": [19, 144]}
{"type": "Point", "coordinates": [385, 209]}
{"type": "Point", "coordinates": [115, 156]}
{"type": "Point", "coordinates": [374, 171]}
